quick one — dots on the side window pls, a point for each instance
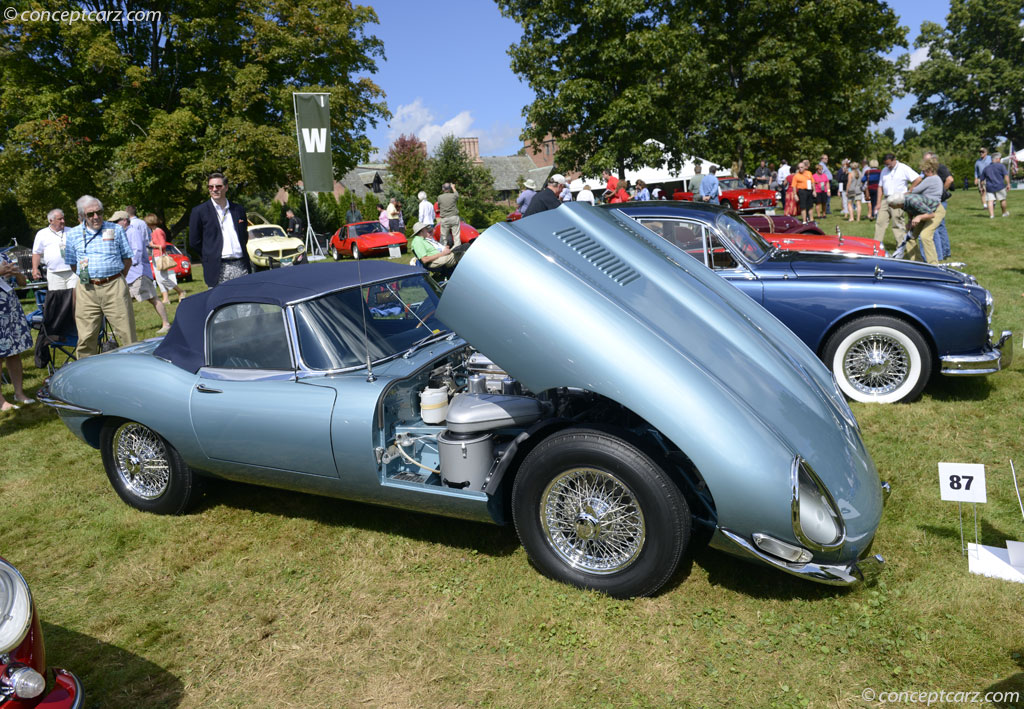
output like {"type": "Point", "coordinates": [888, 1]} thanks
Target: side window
{"type": "Point", "coordinates": [248, 336]}
{"type": "Point", "coordinates": [688, 236]}
{"type": "Point", "coordinates": [721, 258]}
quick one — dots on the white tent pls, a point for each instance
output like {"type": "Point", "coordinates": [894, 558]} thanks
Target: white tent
{"type": "Point", "coordinates": [653, 175]}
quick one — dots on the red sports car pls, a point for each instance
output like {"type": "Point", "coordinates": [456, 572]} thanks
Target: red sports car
{"type": "Point", "coordinates": [182, 264]}
{"type": "Point", "coordinates": [737, 196]}
{"type": "Point", "coordinates": [790, 234]}
{"type": "Point", "coordinates": [466, 232]}
{"type": "Point", "coordinates": [23, 673]}
{"type": "Point", "coordinates": [363, 239]}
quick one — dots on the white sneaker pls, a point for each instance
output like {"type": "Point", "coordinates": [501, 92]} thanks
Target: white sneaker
{"type": "Point", "coordinates": [1006, 214]}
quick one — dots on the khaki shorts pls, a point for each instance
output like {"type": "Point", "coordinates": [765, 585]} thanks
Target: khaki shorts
{"type": "Point", "coordinates": [142, 289]}
{"type": "Point", "coordinates": [995, 196]}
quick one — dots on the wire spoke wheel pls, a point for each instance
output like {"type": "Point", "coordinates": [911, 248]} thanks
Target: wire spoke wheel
{"type": "Point", "coordinates": [141, 461]}
{"type": "Point", "coordinates": [877, 364]}
{"type": "Point", "coordinates": [592, 520]}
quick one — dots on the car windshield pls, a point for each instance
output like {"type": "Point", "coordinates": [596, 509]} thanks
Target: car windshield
{"type": "Point", "coordinates": [367, 228]}
{"type": "Point", "coordinates": [737, 232]}
{"type": "Point", "coordinates": [730, 184]}
{"type": "Point", "coordinates": [172, 249]}
{"type": "Point", "coordinates": [388, 318]}
{"type": "Point", "coordinates": [259, 232]}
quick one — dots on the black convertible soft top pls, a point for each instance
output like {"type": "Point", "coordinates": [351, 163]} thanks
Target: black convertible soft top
{"type": "Point", "coordinates": [184, 344]}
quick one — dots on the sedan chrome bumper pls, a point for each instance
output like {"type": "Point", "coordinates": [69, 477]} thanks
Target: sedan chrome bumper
{"type": "Point", "coordinates": [861, 571]}
{"type": "Point", "coordinates": [1000, 356]}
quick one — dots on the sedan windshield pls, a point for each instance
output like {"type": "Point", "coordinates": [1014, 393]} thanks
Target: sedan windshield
{"type": "Point", "coordinates": [730, 184]}
{"type": "Point", "coordinates": [260, 232]}
{"type": "Point", "coordinates": [751, 244]}
{"type": "Point", "coordinates": [386, 318]}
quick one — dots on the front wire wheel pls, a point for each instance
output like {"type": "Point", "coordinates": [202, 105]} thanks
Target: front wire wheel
{"type": "Point", "coordinates": [145, 470]}
{"type": "Point", "coordinates": [879, 359]}
{"type": "Point", "coordinates": [594, 511]}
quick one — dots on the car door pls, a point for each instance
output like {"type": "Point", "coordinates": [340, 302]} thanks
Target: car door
{"type": "Point", "coordinates": [705, 244]}
{"type": "Point", "coordinates": [249, 413]}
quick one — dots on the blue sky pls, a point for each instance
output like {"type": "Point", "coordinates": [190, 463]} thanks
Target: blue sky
{"type": "Point", "coordinates": [447, 71]}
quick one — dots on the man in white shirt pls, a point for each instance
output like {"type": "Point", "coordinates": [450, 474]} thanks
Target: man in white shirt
{"type": "Point", "coordinates": [218, 230]}
{"type": "Point", "coordinates": [48, 248]}
{"type": "Point", "coordinates": [893, 182]}
{"type": "Point", "coordinates": [426, 211]}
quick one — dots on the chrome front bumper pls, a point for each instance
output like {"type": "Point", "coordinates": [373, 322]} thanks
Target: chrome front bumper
{"type": "Point", "coordinates": [1000, 356]}
{"type": "Point", "coordinates": [861, 571]}
{"type": "Point", "coordinates": [45, 397]}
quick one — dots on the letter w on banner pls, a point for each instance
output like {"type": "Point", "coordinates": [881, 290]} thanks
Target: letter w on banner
{"type": "Point", "coordinates": [313, 131]}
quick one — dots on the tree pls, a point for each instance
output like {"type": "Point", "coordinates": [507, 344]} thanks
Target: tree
{"type": "Point", "coordinates": [140, 111]}
{"type": "Point", "coordinates": [972, 83]}
{"type": "Point", "coordinates": [475, 184]}
{"type": "Point", "coordinates": [729, 80]}
{"type": "Point", "coordinates": [407, 163]}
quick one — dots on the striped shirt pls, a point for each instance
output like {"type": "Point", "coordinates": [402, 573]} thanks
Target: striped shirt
{"type": "Point", "coordinates": [106, 249]}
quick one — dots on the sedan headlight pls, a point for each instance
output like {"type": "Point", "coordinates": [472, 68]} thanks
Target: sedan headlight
{"type": "Point", "coordinates": [816, 519]}
{"type": "Point", "coordinates": [15, 607]}
{"type": "Point", "coordinates": [302, 247]}
{"type": "Point", "coordinates": [258, 252]}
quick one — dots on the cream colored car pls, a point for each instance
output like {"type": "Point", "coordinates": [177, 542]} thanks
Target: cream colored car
{"type": "Point", "coordinates": [269, 246]}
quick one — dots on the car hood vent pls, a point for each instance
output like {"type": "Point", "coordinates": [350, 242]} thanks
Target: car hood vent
{"type": "Point", "coordinates": [598, 255]}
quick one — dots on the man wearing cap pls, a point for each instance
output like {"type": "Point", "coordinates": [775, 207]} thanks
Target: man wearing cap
{"type": "Point", "coordinates": [98, 251]}
{"type": "Point", "coordinates": [526, 196]}
{"type": "Point", "coordinates": [435, 256]}
{"type": "Point", "coordinates": [139, 278]}
{"type": "Point", "coordinates": [448, 206]}
{"type": "Point", "coordinates": [548, 198]}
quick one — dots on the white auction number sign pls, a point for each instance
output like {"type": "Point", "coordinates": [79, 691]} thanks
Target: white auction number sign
{"type": "Point", "coordinates": [962, 482]}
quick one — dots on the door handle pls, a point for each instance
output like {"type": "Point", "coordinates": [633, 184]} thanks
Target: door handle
{"type": "Point", "coordinates": [208, 390]}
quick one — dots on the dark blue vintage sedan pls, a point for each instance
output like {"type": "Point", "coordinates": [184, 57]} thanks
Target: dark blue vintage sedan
{"type": "Point", "coordinates": [881, 325]}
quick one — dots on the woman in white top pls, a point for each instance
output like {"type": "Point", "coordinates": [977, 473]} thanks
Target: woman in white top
{"type": "Point", "coordinates": [585, 195]}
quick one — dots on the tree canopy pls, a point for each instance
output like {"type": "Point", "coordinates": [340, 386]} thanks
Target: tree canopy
{"type": "Point", "coordinates": [972, 83]}
{"type": "Point", "coordinates": [729, 80]}
{"type": "Point", "coordinates": [140, 111]}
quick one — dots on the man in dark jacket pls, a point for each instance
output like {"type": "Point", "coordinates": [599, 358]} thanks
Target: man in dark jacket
{"type": "Point", "coordinates": [547, 198]}
{"type": "Point", "coordinates": [218, 230]}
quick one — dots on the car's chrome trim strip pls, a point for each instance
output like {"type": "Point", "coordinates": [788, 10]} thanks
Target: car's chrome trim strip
{"type": "Point", "coordinates": [45, 397]}
{"type": "Point", "coordinates": [861, 571]}
{"type": "Point", "coordinates": [998, 358]}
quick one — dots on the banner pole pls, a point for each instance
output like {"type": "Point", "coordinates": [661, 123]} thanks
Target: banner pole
{"type": "Point", "coordinates": [312, 245]}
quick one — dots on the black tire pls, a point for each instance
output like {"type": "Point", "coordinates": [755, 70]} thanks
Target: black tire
{"type": "Point", "coordinates": [879, 359]}
{"type": "Point", "coordinates": [146, 471]}
{"type": "Point", "coordinates": [575, 480]}
{"type": "Point", "coordinates": [355, 251]}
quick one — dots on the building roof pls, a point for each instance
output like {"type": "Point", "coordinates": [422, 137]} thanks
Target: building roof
{"type": "Point", "coordinates": [510, 171]}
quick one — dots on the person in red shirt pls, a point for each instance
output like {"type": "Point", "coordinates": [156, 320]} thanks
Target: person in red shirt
{"type": "Point", "coordinates": [611, 185]}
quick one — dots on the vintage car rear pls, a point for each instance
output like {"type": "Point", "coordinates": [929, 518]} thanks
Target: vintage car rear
{"type": "Point", "coordinates": [23, 671]}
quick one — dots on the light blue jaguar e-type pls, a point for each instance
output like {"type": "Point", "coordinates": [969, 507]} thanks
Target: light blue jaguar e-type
{"type": "Point", "coordinates": [578, 377]}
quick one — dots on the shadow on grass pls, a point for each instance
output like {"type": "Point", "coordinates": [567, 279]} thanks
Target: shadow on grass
{"type": "Point", "coordinates": [111, 677]}
{"type": "Point", "coordinates": [483, 538]}
{"type": "Point", "coordinates": [757, 581]}
{"type": "Point", "coordinates": [959, 388]}
{"type": "Point", "coordinates": [27, 417]}
{"type": "Point", "coordinates": [1014, 685]}
{"type": "Point", "coordinates": [987, 533]}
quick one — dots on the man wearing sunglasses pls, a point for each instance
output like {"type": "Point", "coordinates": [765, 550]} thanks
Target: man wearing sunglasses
{"type": "Point", "coordinates": [218, 230]}
{"type": "Point", "coordinates": [98, 251]}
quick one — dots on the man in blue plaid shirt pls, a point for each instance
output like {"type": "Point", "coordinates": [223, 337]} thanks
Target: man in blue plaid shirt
{"type": "Point", "coordinates": [98, 251]}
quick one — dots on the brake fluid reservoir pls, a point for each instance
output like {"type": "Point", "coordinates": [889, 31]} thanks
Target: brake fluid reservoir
{"type": "Point", "coordinates": [434, 404]}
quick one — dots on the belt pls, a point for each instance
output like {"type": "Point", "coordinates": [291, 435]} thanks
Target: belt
{"type": "Point", "coordinates": [101, 281]}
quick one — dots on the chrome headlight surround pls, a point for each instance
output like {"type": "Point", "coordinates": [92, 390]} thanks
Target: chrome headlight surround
{"type": "Point", "coordinates": [15, 607]}
{"type": "Point", "coordinates": [258, 252]}
{"type": "Point", "coordinates": [817, 523]}
{"type": "Point", "coordinates": [300, 249]}
{"type": "Point", "coordinates": [990, 304]}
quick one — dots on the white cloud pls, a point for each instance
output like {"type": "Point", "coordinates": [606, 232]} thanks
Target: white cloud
{"type": "Point", "coordinates": [417, 119]}
{"type": "Point", "coordinates": [918, 57]}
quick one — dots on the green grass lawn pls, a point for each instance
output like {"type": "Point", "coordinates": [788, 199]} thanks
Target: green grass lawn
{"type": "Point", "coordinates": [274, 599]}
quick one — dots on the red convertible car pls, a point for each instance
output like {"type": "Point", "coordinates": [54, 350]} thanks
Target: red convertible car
{"type": "Point", "coordinates": [23, 673]}
{"type": "Point", "coordinates": [790, 234]}
{"type": "Point", "coordinates": [364, 239]}
{"type": "Point", "coordinates": [182, 265]}
{"type": "Point", "coordinates": [737, 196]}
